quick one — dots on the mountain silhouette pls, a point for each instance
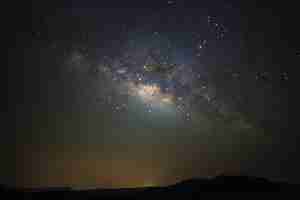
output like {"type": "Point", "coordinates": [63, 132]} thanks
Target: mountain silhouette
{"type": "Point", "coordinates": [189, 189]}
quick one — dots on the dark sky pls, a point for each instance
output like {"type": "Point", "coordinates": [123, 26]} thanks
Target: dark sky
{"type": "Point", "coordinates": [135, 94]}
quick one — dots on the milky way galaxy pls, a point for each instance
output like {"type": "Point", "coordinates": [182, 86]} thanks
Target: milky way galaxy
{"type": "Point", "coordinates": [151, 80]}
{"type": "Point", "coordinates": [152, 68]}
{"type": "Point", "coordinates": [143, 93]}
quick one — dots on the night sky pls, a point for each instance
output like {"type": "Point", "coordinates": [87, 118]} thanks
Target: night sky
{"type": "Point", "coordinates": [147, 94]}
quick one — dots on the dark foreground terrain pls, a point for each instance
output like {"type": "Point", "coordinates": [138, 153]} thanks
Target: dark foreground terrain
{"type": "Point", "coordinates": [225, 186]}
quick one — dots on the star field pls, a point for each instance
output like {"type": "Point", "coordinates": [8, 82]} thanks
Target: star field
{"type": "Point", "coordinates": [151, 66]}
{"type": "Point", "coordinates": [135, 94]}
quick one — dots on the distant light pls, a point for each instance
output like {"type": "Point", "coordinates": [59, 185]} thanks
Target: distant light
{"type": "Point", "coordinates": [122, 70]}
{"type": "Point", "coordinates": [166, 100]}
{"type": "Point", "coordinates": [149, 184]}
